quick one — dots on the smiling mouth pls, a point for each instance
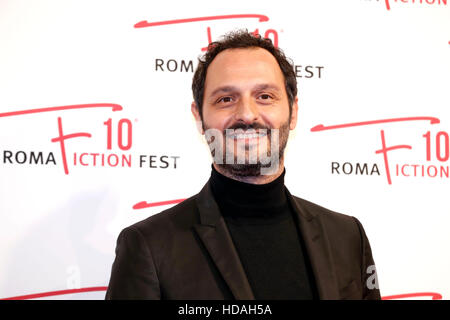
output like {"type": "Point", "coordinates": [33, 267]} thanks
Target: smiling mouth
{"type": "Point", "coordinates": [247, 136]}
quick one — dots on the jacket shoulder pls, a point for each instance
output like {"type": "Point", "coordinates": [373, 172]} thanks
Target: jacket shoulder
{"type": "Point", "coordinates": [318, 211]}
{"type": "Point", "coordinates": [338, 226]}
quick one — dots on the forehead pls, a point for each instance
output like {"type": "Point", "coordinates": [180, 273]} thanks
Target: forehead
{"type": "Point", "coordinates": [243, 67]}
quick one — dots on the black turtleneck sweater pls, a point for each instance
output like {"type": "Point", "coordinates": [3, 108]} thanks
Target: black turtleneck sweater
{"type": "Point", "coordinates": [265, 234]}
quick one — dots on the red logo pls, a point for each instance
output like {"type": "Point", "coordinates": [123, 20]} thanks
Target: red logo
{"type": "Point", "coordinates": [437, 147]}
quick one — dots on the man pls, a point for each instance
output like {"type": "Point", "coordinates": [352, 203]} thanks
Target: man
{"type": "Point", "coordinates": [244, 236]}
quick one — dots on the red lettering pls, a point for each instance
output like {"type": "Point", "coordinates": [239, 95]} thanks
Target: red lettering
{"type": "Point", "coordinates": [145, 23]}
{"type": "Point", "coordinates": [275, 37]}
{"type": "Point", "coordinates": [144, 204]}
{"type": "Point", "coordinates": [208, 31]}
{"type": "Point", "coordinates": [433, 295]}
{"type": "Point", "coordinates": [384, 150]}
{"type": "Point", "coordinates": [387, 5]}
{"type": "Point", "coordinates": [114, 107]}
{"type": "Point", "coordinates": [321, 127]}
{"type": "Point", "coordinates": [81, 159]}
{"type": "Point", "coordinates": [61, 138]}
{"type": "Point", "coordinates": [403, 171]}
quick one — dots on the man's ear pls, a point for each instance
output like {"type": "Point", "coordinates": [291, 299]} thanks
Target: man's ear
{"type": "Point", "coordinates": [294, 114]}
{"type": "Point", "coordinates": [198, 119]}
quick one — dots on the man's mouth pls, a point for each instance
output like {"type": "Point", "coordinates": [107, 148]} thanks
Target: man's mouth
{"type": "Point", "coordinates": [248, 136]}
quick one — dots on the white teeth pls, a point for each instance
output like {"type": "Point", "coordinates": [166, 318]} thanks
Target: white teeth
{"type": "Point", "coordinates": [247, 136]}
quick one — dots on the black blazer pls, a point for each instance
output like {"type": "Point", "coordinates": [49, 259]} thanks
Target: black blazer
{"type": "Point", "coordinates": [186, 252]}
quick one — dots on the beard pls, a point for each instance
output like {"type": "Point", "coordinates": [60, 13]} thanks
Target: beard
{"type": "Point", "coordinates": [248, 158]}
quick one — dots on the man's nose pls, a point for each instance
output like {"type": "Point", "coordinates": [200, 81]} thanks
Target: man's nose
{"type": "Point", "coordinates": [246, 111]}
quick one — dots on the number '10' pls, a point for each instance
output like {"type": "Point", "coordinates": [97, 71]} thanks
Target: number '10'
{"type": "Point", "coordinates": [120, 130]}
{"type": "Point", "coordinates": [442, 145]}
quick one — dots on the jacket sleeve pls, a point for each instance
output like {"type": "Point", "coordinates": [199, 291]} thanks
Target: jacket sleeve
{"type": "Point", "coordinates": [133, 274]}
{"type": "Point", "coordinates": [369, 277]}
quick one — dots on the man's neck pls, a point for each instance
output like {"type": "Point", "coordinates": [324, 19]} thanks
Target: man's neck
{"type": "Point", "coordinates": [260, 179]}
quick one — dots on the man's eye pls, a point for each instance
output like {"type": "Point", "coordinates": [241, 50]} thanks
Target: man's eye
{"type": "Point", "coordinates": [225, 99]}
{"type": "Point", "coordinates": [265, 96]}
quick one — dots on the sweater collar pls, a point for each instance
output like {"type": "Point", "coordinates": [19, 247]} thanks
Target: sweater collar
{"type": "Point", "coordinates": [246, 199]}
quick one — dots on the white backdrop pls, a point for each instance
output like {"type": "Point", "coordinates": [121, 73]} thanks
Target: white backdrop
{"type": "Point", "coordinates": [121, 74]}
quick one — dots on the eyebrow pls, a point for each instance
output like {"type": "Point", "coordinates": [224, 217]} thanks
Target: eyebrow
{"type": "Point", "coordinates": [224, 89]}
{"type": "Point", "coordinates": [228, 89]}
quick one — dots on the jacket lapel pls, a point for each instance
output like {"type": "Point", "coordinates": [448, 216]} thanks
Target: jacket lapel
{"type": "Point", "coordinates": [317, 248]}
{"type": "Point", "coordinates": [214, 234]}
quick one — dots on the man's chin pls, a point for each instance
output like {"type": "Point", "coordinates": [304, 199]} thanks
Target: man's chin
{"type": "Point", "coordinates": [242, 170]}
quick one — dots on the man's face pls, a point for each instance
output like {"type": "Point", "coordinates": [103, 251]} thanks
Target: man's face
{"type": "Point", "coordinates": [245, 89]}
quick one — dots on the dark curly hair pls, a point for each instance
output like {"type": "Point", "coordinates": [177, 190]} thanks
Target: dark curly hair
{"type": "Point", "coordinates": [242, 39]}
